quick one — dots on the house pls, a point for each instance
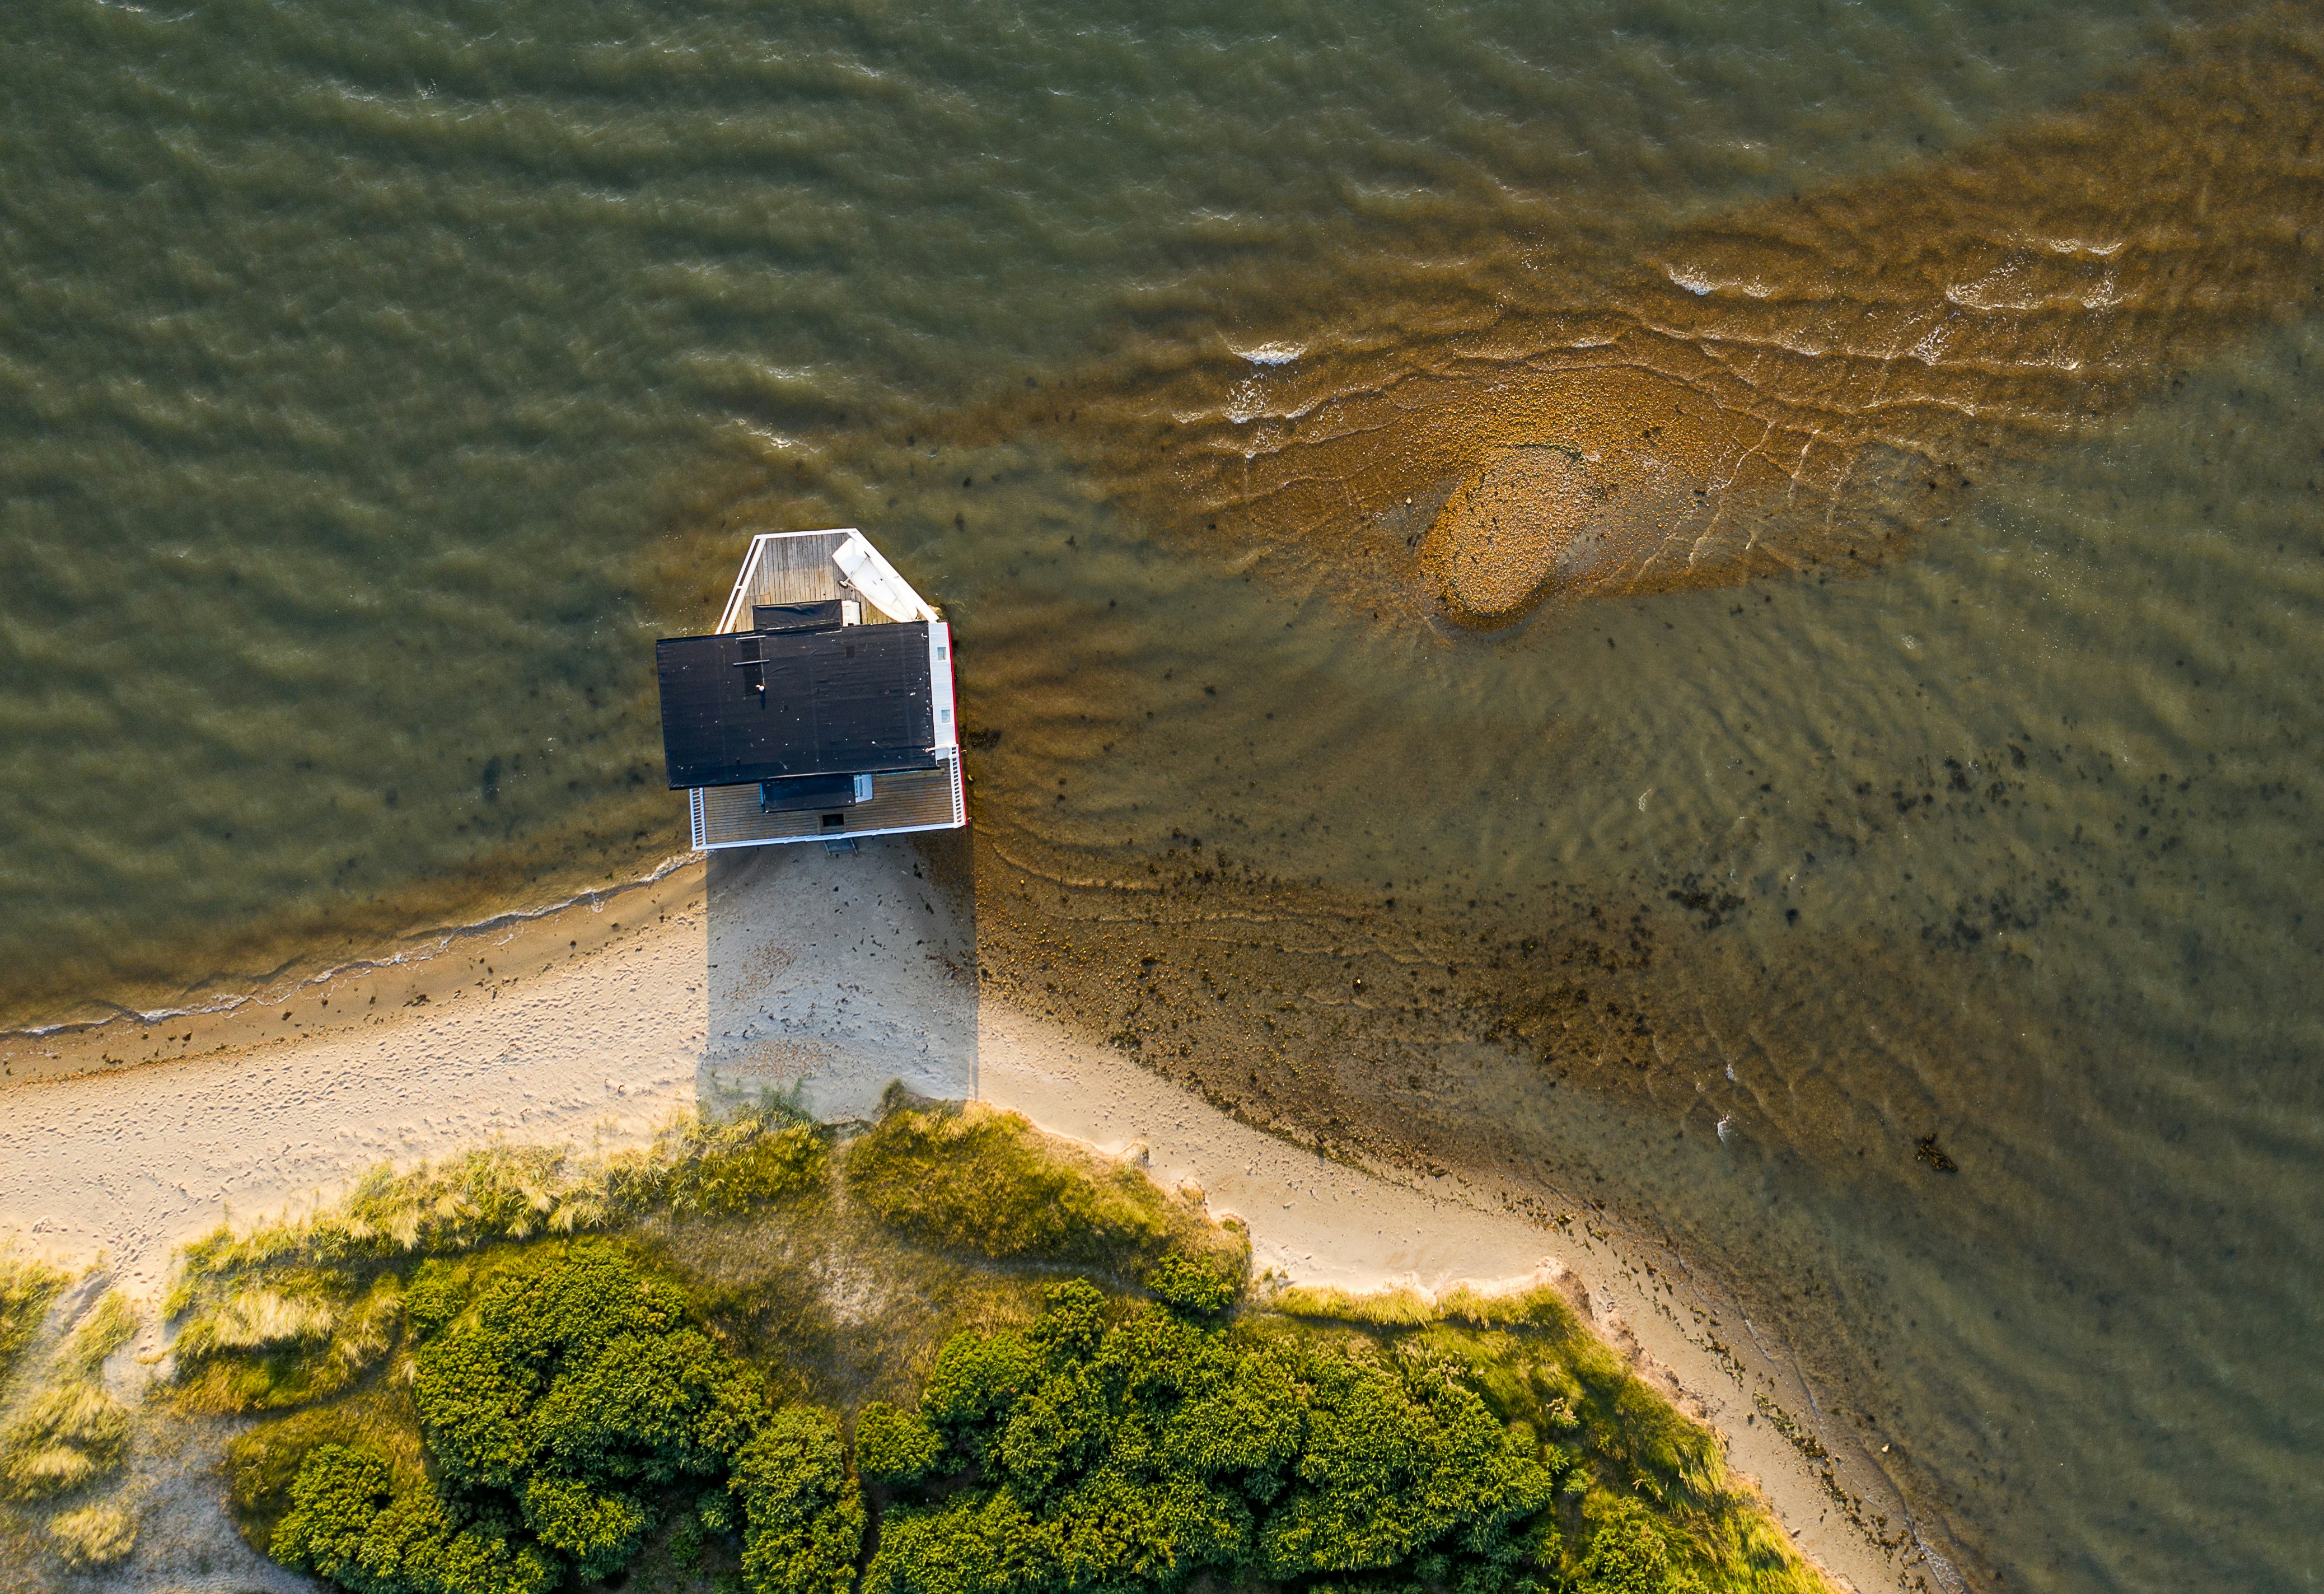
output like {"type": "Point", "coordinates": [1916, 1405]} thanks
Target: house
{"type": "Point", "coordinates": [822, 707]}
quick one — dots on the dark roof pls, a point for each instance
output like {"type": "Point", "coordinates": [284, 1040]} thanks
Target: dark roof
{"type": "Point", "coordinates": [853, 700]}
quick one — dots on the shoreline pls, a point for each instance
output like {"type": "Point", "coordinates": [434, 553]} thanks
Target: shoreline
{"type": "Point", "coordinates": [407, 967]}
{"type": "Point", "coordinates": [829, 976]}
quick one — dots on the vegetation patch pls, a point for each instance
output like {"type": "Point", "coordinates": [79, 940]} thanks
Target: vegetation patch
{"type": "Point", "coordinates": [1124, 1445]}
{"type": "Point", "coordinates": [792, 1371]}
{"type": "Point", "coordinates": [263, 1460]}
{"type": "Point", "coordinates": [1534, 1363]}
{"type": "Point", "coordinates": [73, 1431]}
{"type": "Point", "coordinates": [976, 1180]}
{"type": "Point", "coordinates": [296, 1311]}
{"type": "Point", "coordinates": [27, 1288]}
{"type": "Point", "coordinates": [93, 1536]}
{"type": "Point", "coordinates": [500, 1195]}
{"type": "Point", "coordinates": [1398, 1308]}
{"type": "Point", "coordinates": [565, 1407]}
{"type": "Point", "coordinates": [268, 1343]}
{"type": "Point", "coordinates": [1145, 1450]}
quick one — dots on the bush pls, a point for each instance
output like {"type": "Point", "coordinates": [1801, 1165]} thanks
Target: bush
{"type": "Point", "coordinates": [803, 1514]}
{"type": "Point", "coordinates": [338, 1493]}
{"type": "Point", "coordinates": [293, 1313]}
{"type": "Point", "coordinates": [1190, 1283]}
{"type": "Point", "coordinates": [264, 1460]}
{"type": "Point", "coordinates": [557, 1403]}
{"type": "Point", "coordinates": [1629, 1554]}
{"type": "Point", "coordinates": [895, 1447]}
{"type": "Point", "coordinates": [975, 1380]}
{"type": "Point", "coordinates": [1148, 1451]}
{"type": "Point", "coordinates": [1390, 1472]}
{"type": "Point", "coordinates": [555, 1408]}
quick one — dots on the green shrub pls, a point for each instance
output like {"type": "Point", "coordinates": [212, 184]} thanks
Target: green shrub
{"type": "Point", "coordinates": [896, 1447]}
{"type": "Point", "coordinates": [1393, 1470]}
{"type": "Point", "coordinates": [559, 1398]}
{"type": "Point", "coordinates": [976, 1378]}
{"type": "Point", "coordinates": [585, 1368]}
{"type": "Point", "coordinates": [803, 1516]}
{"type": "Point", "coordinates": [264, 1460]}
{"type": "Point", "coordinates": [1618, 1444]}
{"type": "Point", "coordinates": [1629, 1554]}
{"type": "Point", "coordinates": [1150, 1449]}
{"type": "Point", "coordinates": [1190, 1283]}
{"type": "Point", "coordinates": [292, 1313]}
{"type": "Point", "coordinates": [556, 1410]}
{"type": "Point", "coordinates": [337, 1495]}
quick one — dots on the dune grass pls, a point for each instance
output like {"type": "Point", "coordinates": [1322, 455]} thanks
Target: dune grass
{"type": "Point", "coordinates": [1398, 1308]}
{"type": "Point", "coordinates": [108, 1325]}
{"type": "Point", "coordinates": [73, 1431]}
{"type": "Point", "coordinates": [499, 1194]}
{"type": "Point", "coordinates": [295, 1310]}
{"type": "Point", "coordinates": [67, 1439]}
{"type": "Point", "coordinates": [976, 1180]}
{"type": "Point", "coordinates": [93, 1536]}
{"type": "Point", "coordinates": [28, 1288]}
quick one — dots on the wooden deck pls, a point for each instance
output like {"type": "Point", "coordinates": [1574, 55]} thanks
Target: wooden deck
{"type": "Point", "coordinates": [792, 569]}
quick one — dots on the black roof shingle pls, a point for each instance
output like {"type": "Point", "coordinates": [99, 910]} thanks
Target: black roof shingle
{"type": "Point", "coordinates": [749, 705]}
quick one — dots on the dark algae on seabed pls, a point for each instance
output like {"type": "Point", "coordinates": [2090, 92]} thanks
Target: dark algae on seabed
{"type": "Point", "coordinates": [822, 1387]}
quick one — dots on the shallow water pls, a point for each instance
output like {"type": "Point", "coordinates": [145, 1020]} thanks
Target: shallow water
{"type": "Point", "coordinates": [381, 380]}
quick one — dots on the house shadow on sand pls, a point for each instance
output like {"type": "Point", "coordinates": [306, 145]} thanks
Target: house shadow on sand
{"type": "Point", "coordinates": [833, 974]}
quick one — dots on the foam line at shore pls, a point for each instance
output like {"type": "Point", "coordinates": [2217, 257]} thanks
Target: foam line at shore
{"type": "Point", "coordinates": [345, 994]}
{"type": "Point", "coordinates": [438, 939]}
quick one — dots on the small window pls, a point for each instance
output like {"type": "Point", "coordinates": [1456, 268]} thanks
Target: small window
{"type": "Point", "coordinates": [946, 714]}
{"type": "Point", "coordinates": [940, 652]}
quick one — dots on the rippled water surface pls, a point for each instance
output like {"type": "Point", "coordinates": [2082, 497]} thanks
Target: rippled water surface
{"type": "Point", "coordinates": [1775, 545]}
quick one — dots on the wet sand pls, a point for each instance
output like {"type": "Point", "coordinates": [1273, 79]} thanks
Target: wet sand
{"type": "Point", "coordinates": [1801, 387]}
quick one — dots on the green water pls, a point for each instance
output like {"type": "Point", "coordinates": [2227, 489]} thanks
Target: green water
{"type": "Point", "coordinates": [377, 381]}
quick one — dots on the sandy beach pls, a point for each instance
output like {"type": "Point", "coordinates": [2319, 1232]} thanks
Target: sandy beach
{"type": "Point", "coordinates": [789, 969]}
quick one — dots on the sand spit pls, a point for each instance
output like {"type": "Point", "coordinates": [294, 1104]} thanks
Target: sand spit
{"type": "Point", "coordinates": [830, 975]}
